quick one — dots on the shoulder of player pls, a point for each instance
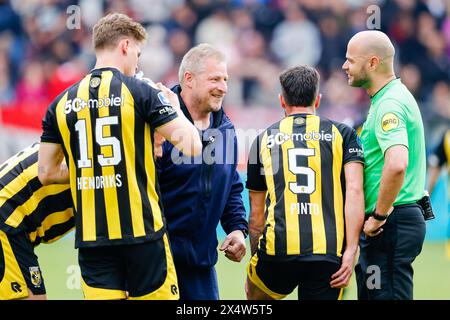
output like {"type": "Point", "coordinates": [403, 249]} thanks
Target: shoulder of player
{"type": "Point", "coordinates": [274, 126]}
{"type": "Point", "coordinates": [447, 135]}
{"type": "Point", "coordinates": [391, 101]}
{"type": "Point", "coordinates": [137, 85]}
{"type": "Point", "coordinates": [65, 92]}
{"type": "Point", "coordinates": [344, 129]}
{"type": "Point", "coordinates": [391, 107]}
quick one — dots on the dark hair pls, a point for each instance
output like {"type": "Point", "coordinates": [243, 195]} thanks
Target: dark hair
{"type": "Point", "coordinates": [300, 85]}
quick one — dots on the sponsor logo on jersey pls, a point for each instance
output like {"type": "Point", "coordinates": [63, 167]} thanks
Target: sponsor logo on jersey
{"type": "Point", "coordinates": [167, 109]}
{"type": "Point", "coordinates": [281, 137]}
{"type": "Point", "coordinates": [390, 121]}
{"type": "Point", "coordinates": [78, 104]}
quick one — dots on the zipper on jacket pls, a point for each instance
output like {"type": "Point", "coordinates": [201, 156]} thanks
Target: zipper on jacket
{"type": "Point", "coordinates": [208, 180]}
{"type": "Point", "coordinates": [209, 168]}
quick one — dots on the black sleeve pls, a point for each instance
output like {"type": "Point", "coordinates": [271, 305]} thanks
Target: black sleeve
{"type": "Point", "coordinates": [352, 148]}
{"type": "Point", "coordinates": [255, 171]}
{"type": "Point", "coordinates": [439, 152]}
{"type": "Point", "coordinates": [50, 131]}
{"type": "Point", "coordinates": [156, 107]}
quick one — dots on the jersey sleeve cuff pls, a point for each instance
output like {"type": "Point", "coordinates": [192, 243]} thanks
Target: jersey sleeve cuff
{"type": "Point", "coordinates": [165, 120]}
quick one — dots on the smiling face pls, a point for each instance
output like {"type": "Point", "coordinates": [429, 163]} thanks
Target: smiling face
{"type": "Point", "coordinates": [355, 66]}
{"type": "Point", "coordinates": [209, 85]}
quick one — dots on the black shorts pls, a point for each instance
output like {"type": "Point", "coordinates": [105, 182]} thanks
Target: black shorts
{"type": "Point", "coordinates": [144, 271]}
{"type": "Point", "coordinates": [279, 278]}
{"type": "Point", "coordinates": [19, 268]}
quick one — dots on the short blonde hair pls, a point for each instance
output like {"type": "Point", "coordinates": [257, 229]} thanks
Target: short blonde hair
{"type": "Point", "coordinates": [194, 59]}
{"type": "Point", "coordinates": [111, 28]}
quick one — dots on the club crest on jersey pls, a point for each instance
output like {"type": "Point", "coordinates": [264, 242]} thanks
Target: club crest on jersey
{"type": "Point", "coordinates": [163, 98]}
{"type": "Point", "coordinates": [390, 121]}
{"type": "Point", "coordinates": [95, 82]}
{"type": "Point", "coordinates": [36, 278]}
{"type": "Point", "coordinates": [299, 121]}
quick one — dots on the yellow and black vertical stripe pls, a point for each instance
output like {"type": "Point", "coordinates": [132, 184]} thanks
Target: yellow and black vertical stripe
{"type": "Point", "coordinates": [447, 147]}
{"type": "Point", "coordinates": [290, 231]}
{"type": "Point", "coordinates": [131, 208]}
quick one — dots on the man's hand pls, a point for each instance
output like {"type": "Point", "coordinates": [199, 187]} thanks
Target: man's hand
{"type": "Point", "coordinates": [158, 141]}
{"type": "Point", "coordinates": [342, 277]}
{"type": "Point", "coordinates": [372, 227]}
{"type": "Point", "coordinates": [234, 246]}
{"type": "Point", "coordinates": [173, 98]}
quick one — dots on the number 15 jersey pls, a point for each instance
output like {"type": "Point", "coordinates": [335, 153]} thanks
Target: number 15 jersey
{"type": "Point", "coordinates": [105, 124]}
{"type": "Point", "coordinates": [299, 161]}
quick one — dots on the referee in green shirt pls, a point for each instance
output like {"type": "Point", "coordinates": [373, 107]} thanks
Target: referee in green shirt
{"type": "Point", "coordinates": [394, 174]}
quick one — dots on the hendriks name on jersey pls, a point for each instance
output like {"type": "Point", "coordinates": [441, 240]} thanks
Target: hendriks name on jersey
{"type": "Point", "coordinates": [99, 182]}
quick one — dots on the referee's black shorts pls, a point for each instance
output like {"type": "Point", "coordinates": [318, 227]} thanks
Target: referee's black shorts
{"type": "Point", "coordinates": [279, 278]}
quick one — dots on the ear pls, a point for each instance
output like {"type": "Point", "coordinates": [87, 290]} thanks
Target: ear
{"type": "Point", "coordinates": [282, 101]}
{"type": "Point", "coordinates": [318, 99]}
{"type": "Point", "coordinates": [124, 45]}
{"type": "Point", "coordinates": [374, 62]}
{"type": "Point", "coordinates": [188, 78]}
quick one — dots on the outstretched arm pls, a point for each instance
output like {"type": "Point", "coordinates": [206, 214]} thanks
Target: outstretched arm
{"type": "Point", "coordinates": [354, 218]}
{"type": "Point", "coordinates": [51, 168]}
{"type": "Point", "coordinates": [256, 219]}
{"type": "Point", "coordinates": [180, 131]}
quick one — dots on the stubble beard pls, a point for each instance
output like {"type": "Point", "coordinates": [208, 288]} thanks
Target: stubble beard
{"type": "Point", "coordinates": [206, 104]}
{"type": "Point", "coordinates": [360, 79]}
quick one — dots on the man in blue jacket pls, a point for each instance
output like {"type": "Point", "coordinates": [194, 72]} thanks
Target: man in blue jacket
{"type": "Point", "coordinates": [199, 192]}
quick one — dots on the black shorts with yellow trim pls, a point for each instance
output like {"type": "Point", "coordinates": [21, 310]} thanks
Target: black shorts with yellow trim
{"type": "Point", "coordinates": [19, 268]}
{"type": "Point", "coordinates": [278, 278]}
{"type": "Point", "coordinates": [136, 271]}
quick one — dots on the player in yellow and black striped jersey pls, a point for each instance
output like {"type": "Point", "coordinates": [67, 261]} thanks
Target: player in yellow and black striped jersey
{"type": "Point", "coordinates": [30, 213]}
{"type": "Point", "coordinates": [104, 126]}
{"type": "Point", "coordinates": [439, 158]}
{"type": "Point", "coordinates": [305, 181]}
{"type": "Point", "coordinates": [108, 146]}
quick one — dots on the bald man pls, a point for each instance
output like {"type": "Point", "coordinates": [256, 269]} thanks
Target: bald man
{"type": "Point", "coordinates": [394, 173]}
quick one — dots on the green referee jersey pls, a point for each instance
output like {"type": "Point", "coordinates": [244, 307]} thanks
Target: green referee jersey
{"type": "Point", "coordinates": [394, 119]}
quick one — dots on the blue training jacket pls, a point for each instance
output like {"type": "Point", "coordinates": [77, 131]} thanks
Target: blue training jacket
{"type": "Point", "coordinates": [197, 192]}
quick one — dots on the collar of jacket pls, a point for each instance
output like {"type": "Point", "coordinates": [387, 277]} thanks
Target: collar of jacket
{"type": "Point", "coordinates": [217, 116]}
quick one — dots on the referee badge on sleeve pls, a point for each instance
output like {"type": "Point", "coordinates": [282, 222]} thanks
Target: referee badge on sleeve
{"type": "Point", "coordinates": [390, 121]}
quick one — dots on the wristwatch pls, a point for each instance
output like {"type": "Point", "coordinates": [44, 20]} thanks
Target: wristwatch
{"type": "Point", "coordinates": [379, 217]}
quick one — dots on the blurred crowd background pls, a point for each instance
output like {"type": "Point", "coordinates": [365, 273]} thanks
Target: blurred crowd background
{"type": "Point", "coordinates": [40, 56]}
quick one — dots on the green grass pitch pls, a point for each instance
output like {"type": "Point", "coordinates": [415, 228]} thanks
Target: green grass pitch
{"type": "Point", "coordinates": [59, 266]}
